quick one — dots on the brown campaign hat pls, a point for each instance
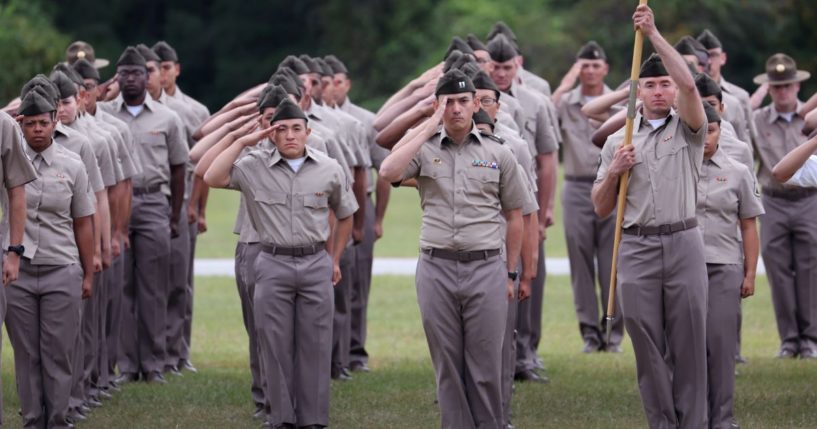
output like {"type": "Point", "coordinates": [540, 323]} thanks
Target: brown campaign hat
{"type": "Point", "coordinates": [80, 50]}
{"type": "Point", "coordinates": [781, 70]}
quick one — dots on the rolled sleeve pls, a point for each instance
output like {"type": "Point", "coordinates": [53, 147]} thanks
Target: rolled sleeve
{"type": "Point", "coordinates": [17, 169]}
{"type": "Point", "coordinates": [342, 200]}
{"type": "Point", "coordinates": [749, 204]}
{"type": "Point", "coordinates": [81, 204]}
{"type": "Point", "coordinates": [177, 150]}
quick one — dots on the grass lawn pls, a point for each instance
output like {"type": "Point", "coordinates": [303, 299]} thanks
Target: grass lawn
{"type": "Point", "coordinates": [585, 392]}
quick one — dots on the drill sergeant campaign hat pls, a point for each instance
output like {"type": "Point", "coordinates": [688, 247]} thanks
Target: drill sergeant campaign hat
{"type": "Point", "coordinates": [454, 82]}
{"type": "Point", "coordinates": [80, 50]}
{"type": "Point", "coordinates": [781, 70]}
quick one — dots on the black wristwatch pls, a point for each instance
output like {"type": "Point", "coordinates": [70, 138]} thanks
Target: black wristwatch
{"type": "Point", "coordinates": [513, 275]}
{"type": "Point", "coordinates": [18, 249]}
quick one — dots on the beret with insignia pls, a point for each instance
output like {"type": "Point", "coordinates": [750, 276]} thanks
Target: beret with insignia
{"type": "Point", "coordinates": [292, 62]}
{"type": "Point", "coordinates": [86, 70]}
{"type": "Point", "coordinates": [287, 110]}
{"type": "Point", "coordinates": [285, 82]}
{"type": "Point", "coordinates": [707, 86]}
{"type": "Point", "coordinates": [42, 82]}
{"type": "Point", "coordinates": [64, 84]}
{"type": "Point", "coordinates": [271, 96]}
{"type": "Point", "coordinates": [501, 49]}
{"type": "Point", "coordinates": [653, 67]}
{"type": "Point", "coordinates": [475, 43]}
{"type": "Point", "coordinates": [708, 40]}
{"type": "Point", "coordinates": [165, 51]}
{"type": "Point", "coordinates": [781, 69]}
{"type": "Point", "coordinates": [454, 82]}
{"type": "Point", "coordinates": [311, 64]}
{"type": "Point", "coordinates": [131, 57]}
{"type": "Point", "coordinates": [481, 80]}
{"type": "Point", "coordinates": [711, 114]}
{"type": "Point", "coordinates": [36, 102]}
{"type": "Point", "coordinates": [326, 70]}
{"type": "Point", "coordinates": [457, 44]}
{"type": "Point", "coordinates": [336, 64]}
{"type": "Point", "coordinates": [147, 53]}
{"type": "Point", "coordinates": [591, 51]}
{"type": "Point", "coordinates": [482, 117]}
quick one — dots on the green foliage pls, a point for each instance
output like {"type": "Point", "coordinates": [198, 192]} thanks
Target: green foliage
{"type": "Point", "coordinates": [29, 44]}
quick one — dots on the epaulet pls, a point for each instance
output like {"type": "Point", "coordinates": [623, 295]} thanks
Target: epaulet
{"type": "Point", "coordinates": [493, 137]}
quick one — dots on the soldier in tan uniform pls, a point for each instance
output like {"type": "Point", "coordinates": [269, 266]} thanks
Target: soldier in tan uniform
{"type": "Point", "coordinates": [296, 187]}
{"type": "Point", "coordinates": [158, 192]}
{"type": "Point", "coordinates": [788, 230]}
{"type": "Point", "coordinates": [727, 195]}
{"type": "Point", "coordinates": [466, 182]}
{"type": "Point", "coordinates": [56, 271]}
{"type": "Point", "coordinates": [662, 272]}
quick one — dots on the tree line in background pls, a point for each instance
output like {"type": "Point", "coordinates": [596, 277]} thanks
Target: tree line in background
{"type": "Point", "coordinates": [225, 46]}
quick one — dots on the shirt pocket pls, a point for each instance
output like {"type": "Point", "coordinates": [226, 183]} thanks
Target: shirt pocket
{"type": "Point", "coordinates": [315, 212]}
{"type": "Point", "coordinates": [482, 182]}
{"type": "Point", "coordinates": [56, 194]}
{"type": "Point", "coordinates": [435, 182]}
{"type": "Point", "coordinates": [670, 155]}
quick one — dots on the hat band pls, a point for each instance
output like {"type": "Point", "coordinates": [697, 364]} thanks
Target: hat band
{"type": "Point", "coordinates": [776, 76]}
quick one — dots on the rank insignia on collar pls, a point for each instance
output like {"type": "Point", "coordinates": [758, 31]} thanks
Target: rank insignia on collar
{"type": "Point", "coordinates": [486, 164]}
{"type": "Point", "coordinates": [437, 161]}
{"type": "Point", "coordinates": [668, 138]}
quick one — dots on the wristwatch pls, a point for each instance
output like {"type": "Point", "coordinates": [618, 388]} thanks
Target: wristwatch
{"type": "Point", "coordinates": [18, 249]}
{"type": "Point", "coordinates": [513, 275]}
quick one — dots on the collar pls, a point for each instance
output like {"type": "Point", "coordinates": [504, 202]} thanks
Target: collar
{"type": "Point", "coordinates": [641, 121]}
{"type": "Point", "coordinates": [774, 115]}
{"type": "Point", "coordinates": [575, 96]}
{"type": "Point", "coordinates": [719, 158]}
{"type": "Point", "coordinates": [276, 157]}
{"type": "Point", "coordinates": [60, 129]}
{"type": "Point", "coordinates": [47, 154]}
{"type": "Point", "coordinates": [346, 105]}
{"type": "Point", "coordinates": [314, 111]}
{"type": "Point", "coordinates": [119, 102]}
{"type": "Point", "coordinates": [474, 135]}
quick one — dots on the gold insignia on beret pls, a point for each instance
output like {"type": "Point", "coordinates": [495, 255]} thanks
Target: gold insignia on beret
{"type": "Point", "coordinates": [81, 54]}
{"type": "Point", "coordinates": [780, 68]}
{"type": "Point", "coordinates": [596, 54]}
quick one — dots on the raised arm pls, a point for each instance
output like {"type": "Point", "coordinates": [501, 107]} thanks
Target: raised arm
{"type": "Point", "coordinates": [397, 128]}
{"type": "Point", "coordinates": [397, 161]}
{"type": "Point", "coordinates": [218, 175]}
{"type": "Point", "coordinates": [794, 160]}
{"type": "Point", "coordinates": [599, 107]}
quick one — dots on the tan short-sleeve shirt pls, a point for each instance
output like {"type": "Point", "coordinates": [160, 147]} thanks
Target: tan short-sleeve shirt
{"type": "Point", "coordinates": [114, 145]}
{"type": "Point", "coordinates": [77, 143]}
{"type": "Point", "coordinates": [463, 190]}
{"type": "Point", "coordinates": [200, 110]}
{"type": "Point", "coordinates": [734, 113]}
{"type": "Point", "coordinates": [15, 168]}
{"type": "Point", "coordinates": [581, 156]}
{"type": "Point", "coordinates": [58, 196]}
{"type": "Point", "coordinates": [100, 145]}
{"type": "Point", "coordinates": [525, 161]}
{"type": "Point", "coordinates": [727, 193]}
{"type": "Point", "coordinates": [663, 181]}
{"type": "Point", "coordinates": [159, 140]}
{"type": "Point", "coordinates": [745, 103]}
{"type": "Point", "coordinates": [289, 208]}
{"type": "Point", "coordinates": [127, 160]}
{"type": "Point", "coordinates": [735, 148]}
{"type": "Point", "coordinates": [539, 130]}
{"type": "Point", "coordinates": [776, 137]}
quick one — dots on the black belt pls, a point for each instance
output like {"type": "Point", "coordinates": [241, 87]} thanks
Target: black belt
{"type": "Point", "coordinates": [665, 229]}
{"type": "Point", "coordinates": [790, 194]}
{"type": "Point", "coordinates": [152, 189]}
{"type": "Point", "coordinates": [307, 250]}
{"type": "Point", "coordinates": [474, 255]}
{"type": "Point", "coordinates": [587, 179]}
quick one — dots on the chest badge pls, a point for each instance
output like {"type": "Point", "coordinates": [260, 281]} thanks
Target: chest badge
{"type": "Point", "coordinates": [485, 164]}
{"type": "Point", "coordinates": [720, 179]}
{"type": "Point", "coordinates": [319, 194]}
{"type": "Point", "coordinates": [437, 161]}
{"type": "Point", "coordinates": [668, 138]}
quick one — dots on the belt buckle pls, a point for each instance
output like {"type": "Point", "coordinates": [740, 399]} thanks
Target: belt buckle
{"type": "Point", "coordinates": [297, 251]}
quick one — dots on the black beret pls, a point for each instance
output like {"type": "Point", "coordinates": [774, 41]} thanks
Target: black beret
{"type": "Point", "coordinates": [287, 110]}
{"type": "Point", "coordinates": [454, 82]}
{"type": "Point", "coordinates": [708, 40]}
{"type": "Point", "coordinates": [501, 49]}
{"type": "Point", "coordinates": [86, 70]}
{"type": "Point", "coordinates": [286, 82]}
{"type": "Point", "coordinates": [452, 58]}
{"type": "Point", "coordinates": [501, 28]}
{"type": "Point", "coordinates": [42, 82]}
{"type": "Point", "coordinates": [34, 103]}
{"type": "Point", "coordinates": [711, 114]}
{"type": "Point", "coordinates": [325, 69]}
{"type": "Point", "coordinates": [475, 43]}
{"type": "Point", "coordinates": [165, 52]}
{"type": "Point", "coordinates": [131, 57]}
{"type": "Point", "coordinates": [311, 64]}
{"type": "Point", "coordinates": [458, 44]}
{"type": "Point", "coordinates": [69, 72]}
{"type": "Point", "coordinates": [481, 80]}
{"type": "Point", "coordinates": [482, 117]}
{"type": "Point", "coordinates": [147, 53]}
{"type": "Point", "coordinates": [292, 62]}
{"type": "Point", "coordinates": [64, 84]}
{"type": "Point", "coordinates": [591, 51]}
{"type": "Point", "coordinates": [271, 96]}
{"type": "Point", "coordinates": [653, 67]}
{"type": "Point", "coordinates": [335, 64]}
{"type": "Point", "coordinates": [707, 86]}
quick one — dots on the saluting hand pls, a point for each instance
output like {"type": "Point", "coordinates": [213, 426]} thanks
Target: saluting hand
{"type": "Point", "coordinates": [644, 20]}
{"type": "Point", "coordinates": [436, 119]}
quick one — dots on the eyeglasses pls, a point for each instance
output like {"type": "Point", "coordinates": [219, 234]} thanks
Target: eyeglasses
{"type": "Point", "coordinates": [487, 101]}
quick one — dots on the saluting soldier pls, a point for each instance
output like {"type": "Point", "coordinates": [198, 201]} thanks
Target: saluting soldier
{"type": "Point", "coordinates": [662, 272]}
{"type": "Point", "coordinates": [727, 195]}
{"type": "Point", "coordinates": [56, 270]}
{"type": "Point", "coordinates": [467, 182]}
{"type": "Point", "coordinates": [158, 192]}
{"type": "Point", "coordinates": [289, 193]}
{"type": "Point", "coordinates": [789, 227]}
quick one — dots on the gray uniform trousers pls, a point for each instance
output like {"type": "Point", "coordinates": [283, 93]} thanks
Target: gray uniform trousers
{"type": "Point", "coordinates": [509, 354]}
{"type": "Point", "coordinates": [245, 256]}
{"type": "Point", "coordinates": [529, 319]}
{"type": "Point", "coordinates": [43, 321]}
{"type": "Point", "coordinates": [361, 286]}
{"type": "Point", "coordinates": [293, 305]}
{"type": "Point", "coordinates": [99, 372]}
{"type": "Point", "coordinates": [86, 373]}
{"type": "Point", "coordinates": [788, 233]}
{"type": "Point", "coordinates": [188, 311]}
{"type": "Point", "coordinates": [341, 320]}
{"type": "Point", "coordinates": [144, 301]}
{"type": "Point", "coordinates": [114, 283]}
{"type": "Point", "coordinates": [725, 281]}
{"type": "Point", "coordinates": [83, 347]}
{"type": "Point", "coordinates": [590, 250]}
{"type": "Point", "coordinates": [177, 292]}
{"type": "Point", "coordinates": [662, 286]}
{"type": "Point", "coordinates": [464, 308]}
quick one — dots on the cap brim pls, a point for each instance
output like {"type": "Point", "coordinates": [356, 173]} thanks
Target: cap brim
{"type": "Point", "coordinates": [101, 63]}
{"type": "Point", "coordinates": [799, 77]}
